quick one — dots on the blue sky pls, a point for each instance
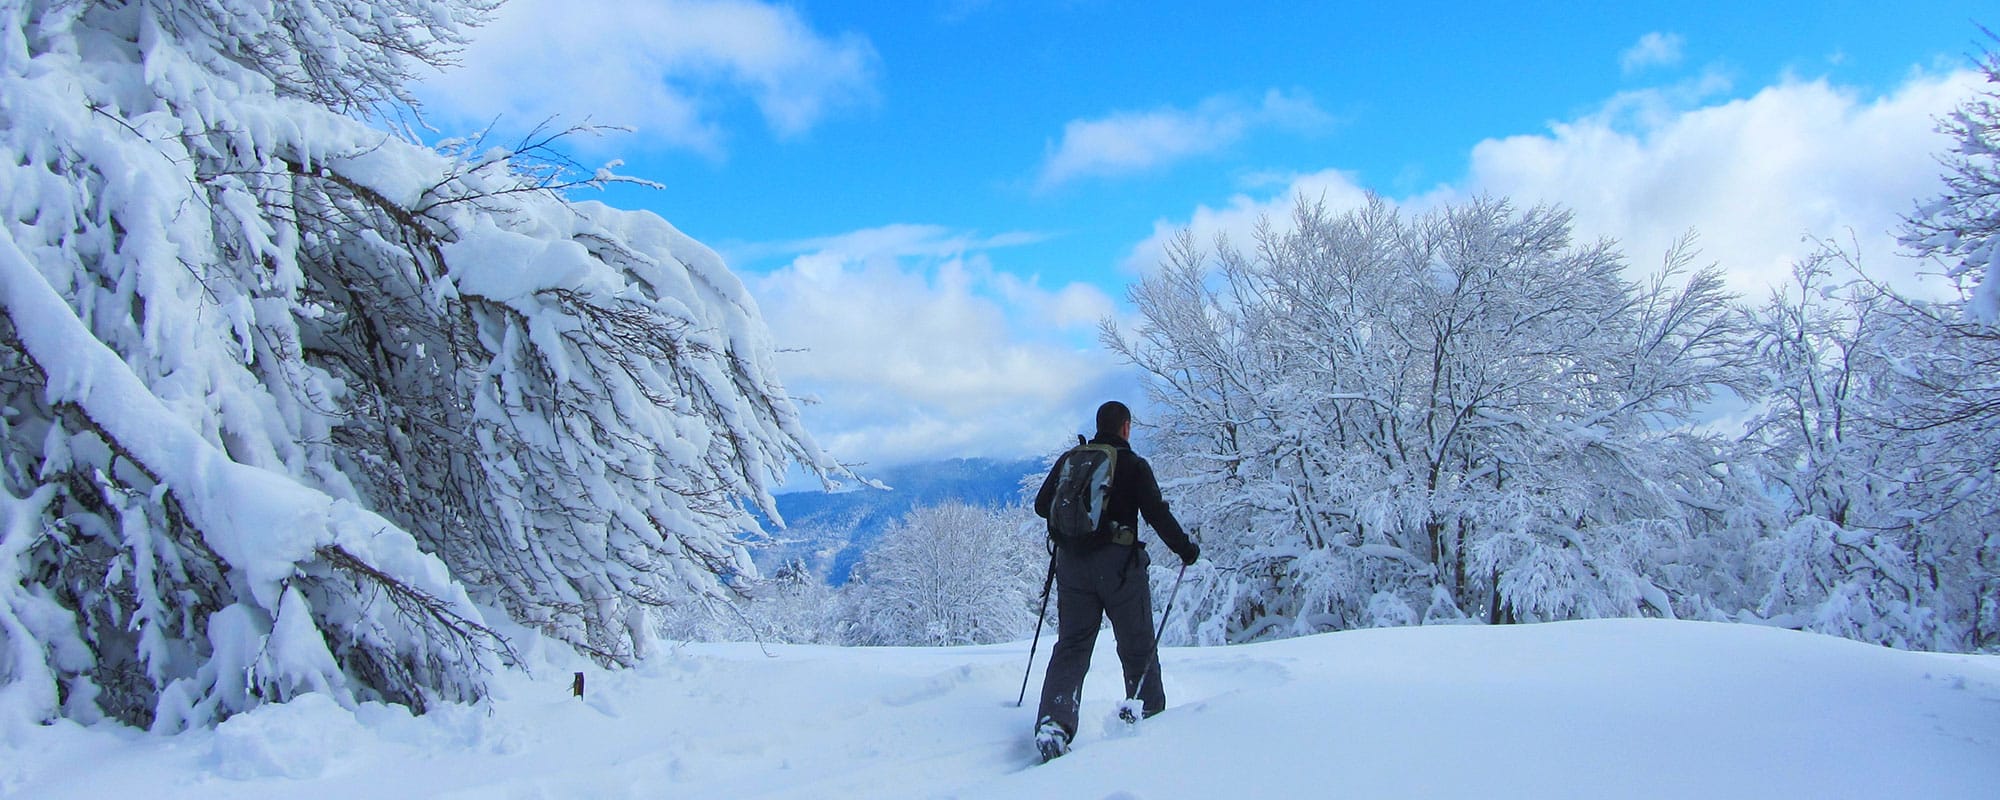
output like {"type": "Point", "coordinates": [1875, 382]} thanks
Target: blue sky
{"type": "Point", "coordinates": [939, 200]}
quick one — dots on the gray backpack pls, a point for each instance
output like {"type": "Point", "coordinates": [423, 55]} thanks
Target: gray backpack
{"type": "Point", "coordinates": [1083, 491]}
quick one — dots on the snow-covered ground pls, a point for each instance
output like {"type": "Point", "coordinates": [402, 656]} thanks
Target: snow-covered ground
{"type": "Point", "coordinates": [1615, 708]}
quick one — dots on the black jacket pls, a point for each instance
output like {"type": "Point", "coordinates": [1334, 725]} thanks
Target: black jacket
{"type": "Point", "coordinates": [1134, 491]}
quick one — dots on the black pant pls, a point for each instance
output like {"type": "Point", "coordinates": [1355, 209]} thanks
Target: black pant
{"type": "Point", "coordinates": [1109, 581]}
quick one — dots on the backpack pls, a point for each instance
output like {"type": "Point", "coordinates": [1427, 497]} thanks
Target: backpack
{"type": "Point", "coordinates": [1083, 491]}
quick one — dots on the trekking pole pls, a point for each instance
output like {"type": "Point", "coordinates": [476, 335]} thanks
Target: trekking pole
{"type": "Point", "coordinates": [1164, 614]}
{"type": "Point", "coordinates": [1047, 583]}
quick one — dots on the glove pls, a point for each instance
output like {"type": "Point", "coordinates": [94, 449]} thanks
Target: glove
{"type": "Point", "coordinates": [1188, 556]}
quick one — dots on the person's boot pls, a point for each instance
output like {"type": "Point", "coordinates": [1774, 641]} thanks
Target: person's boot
{"type": "Point", "coordinates": [1050, 739]}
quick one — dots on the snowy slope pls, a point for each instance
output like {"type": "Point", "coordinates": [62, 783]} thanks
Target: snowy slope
{"type": "Point", "coordinates": [1623, 708]}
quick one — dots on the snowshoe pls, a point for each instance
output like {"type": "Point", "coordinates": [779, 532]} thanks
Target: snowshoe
{"type": "Point", "coordinates": [1132, 710]}
{"type": "Point", "coordinates": [1051, 740]}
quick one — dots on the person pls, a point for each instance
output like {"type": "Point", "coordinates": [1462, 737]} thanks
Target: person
{"type": "Point", "coordinates": [1107, 578]}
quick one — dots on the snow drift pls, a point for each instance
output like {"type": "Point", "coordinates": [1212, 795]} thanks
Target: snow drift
{"type": "Point", "coordinates": [1614, 708]}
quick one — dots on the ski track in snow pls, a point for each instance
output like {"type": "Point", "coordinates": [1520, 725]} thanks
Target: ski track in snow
{"type": "Point", "coordinates": [1624, 708]}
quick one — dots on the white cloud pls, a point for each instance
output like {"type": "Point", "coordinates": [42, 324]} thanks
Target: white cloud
{"type": "Point", "coordinates": [1238, 220]}
{"type": "Point", "coordinates": [1654, 49]}
{"type": "Point", "coordinates": [668, 67]}
{"type": "Point", "coordinates": [1130, 142]}
{"type": "Point", "coordinates": [918, 348]}
{"type": "Point", "coordinates": [1075, 306]}
{"type": "Point", "coordinates": [1753, 177]}
{"type": "Point", "coordinates": [1758, 179]}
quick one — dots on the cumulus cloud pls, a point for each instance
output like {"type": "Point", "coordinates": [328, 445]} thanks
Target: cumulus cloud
{"type": "Point", "coordinates": [1652, 50]}
{"type": "Point", "coordinates": [1073, 307]}
{"type": "Point", "coordinates": [668, 67]}
{"type": "Point", "coordinates": [1238, 219]}
{"type": "Point", "coordinates": [1758, 179]}
{"type": "Point", "coordinates": [1132, 142]}
{"type": "Point", "coordinates": [918, 348]}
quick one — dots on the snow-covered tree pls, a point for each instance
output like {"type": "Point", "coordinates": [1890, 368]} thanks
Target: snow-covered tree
{"type": "Point", "coordinates": [1961, 226]}
{"type": "Point", "coordinates": [949, 574]}
{"type": "Point", "coordinates": [1937, 407]}
{"type": "Point", "coordinates": [1461, 409]}
{"type": "Point", "coordinates": [288, 400]}
{"type": "Point", "coordinates": [797, 605]}
{"type": "Point", "coordinates": [1882, 506]}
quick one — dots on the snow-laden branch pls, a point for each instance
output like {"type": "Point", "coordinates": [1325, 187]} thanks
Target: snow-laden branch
{"type": "Point", "coordinates": [264, 528]}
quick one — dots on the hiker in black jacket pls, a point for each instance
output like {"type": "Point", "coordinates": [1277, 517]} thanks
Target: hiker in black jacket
{"type": "Point", "coordinates": [1107, 579]}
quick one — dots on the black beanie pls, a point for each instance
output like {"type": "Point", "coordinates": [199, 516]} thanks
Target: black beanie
{"type": "Point", "coordinates": [1111, 416]}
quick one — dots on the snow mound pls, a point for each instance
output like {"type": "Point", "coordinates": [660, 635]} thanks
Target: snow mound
{"type": "Point", "coordinates": [1615, 708]}
{"type": "Point", "coordinates": [299, 739]}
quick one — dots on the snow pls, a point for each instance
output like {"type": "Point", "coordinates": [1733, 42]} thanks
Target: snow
{"type": "Point", "coordinates": [259, 522]}
{"type": "Point", "coordinates": [1624, 708]}
{"type": "Point", "coordinates": [240, 306]}
{"type": "Point", "coordinates": [182, 187]}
